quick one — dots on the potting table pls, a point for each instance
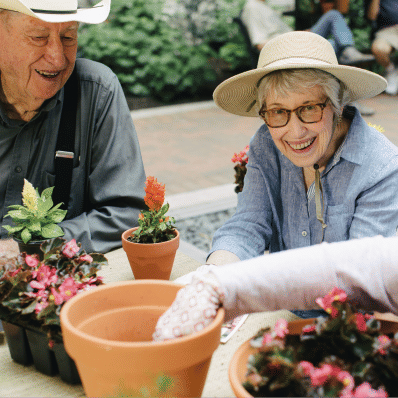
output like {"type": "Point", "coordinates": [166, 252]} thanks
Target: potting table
{"type": "Point", "coordinates": [20, 381]}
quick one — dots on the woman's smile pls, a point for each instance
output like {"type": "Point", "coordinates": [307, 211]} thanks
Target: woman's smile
{"type": "Point", "coordinates": [303, 146]}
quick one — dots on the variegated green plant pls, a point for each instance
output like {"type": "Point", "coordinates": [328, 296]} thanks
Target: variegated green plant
{"type": "Point", "coordinates": [36, 219]}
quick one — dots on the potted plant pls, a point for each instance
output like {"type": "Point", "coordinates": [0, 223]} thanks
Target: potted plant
{"type": "Point", "coordinates": [108, 333]}
{"type": "Point", "coordinates": [32, 293]}
{"type": "Point", "coordinates": [349, 353]}
{"type": "Point", "coordinates": [151, 247]}
{"type": "Point", "coordinates": [240, 159]}
{"type": "Point", "coordinates": [35, 220]}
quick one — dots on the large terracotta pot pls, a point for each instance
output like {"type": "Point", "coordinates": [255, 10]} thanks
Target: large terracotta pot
{"type": "Point", "coordinates": [108, 332]}
{"type": "Point", "coordinates": [150, 260]}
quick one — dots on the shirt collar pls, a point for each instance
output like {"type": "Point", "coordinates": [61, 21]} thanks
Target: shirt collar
{"type": "Point", "coordinates": [352, 147]}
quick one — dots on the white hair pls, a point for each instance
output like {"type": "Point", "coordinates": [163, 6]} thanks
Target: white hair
{"type": "Point", "coordinates": [286, 81]}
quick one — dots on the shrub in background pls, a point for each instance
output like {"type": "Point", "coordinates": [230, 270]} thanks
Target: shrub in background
{"type": "Point", "coordinates": [152, 55]}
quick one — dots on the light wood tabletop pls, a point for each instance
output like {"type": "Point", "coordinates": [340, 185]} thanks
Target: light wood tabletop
{"type": "Point", "coordinates": [25, 381]}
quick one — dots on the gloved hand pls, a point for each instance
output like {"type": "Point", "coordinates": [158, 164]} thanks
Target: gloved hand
{"type": "Point", "coordinates": [194, 307]}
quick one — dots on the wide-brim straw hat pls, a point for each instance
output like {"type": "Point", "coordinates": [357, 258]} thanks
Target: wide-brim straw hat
{"type": "Point", "coordinates": [293, 50]}
{"type": "Point", "coordinates": [59, 10]}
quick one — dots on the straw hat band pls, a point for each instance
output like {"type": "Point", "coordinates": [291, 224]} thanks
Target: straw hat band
{"type": "Point", "coordinates": [290, 61]}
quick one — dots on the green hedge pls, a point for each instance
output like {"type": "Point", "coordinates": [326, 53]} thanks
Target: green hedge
{"type": "Point", "coordinates": [153, 58]}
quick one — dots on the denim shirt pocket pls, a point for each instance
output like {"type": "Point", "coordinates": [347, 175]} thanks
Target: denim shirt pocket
{"type": "Point", "coordinates": [338, 221]}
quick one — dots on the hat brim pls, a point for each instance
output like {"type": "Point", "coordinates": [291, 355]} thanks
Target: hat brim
{"type": "Point", "coordinates": [238, 94]}
{"type": "Point", "coordinates": [93, 15]}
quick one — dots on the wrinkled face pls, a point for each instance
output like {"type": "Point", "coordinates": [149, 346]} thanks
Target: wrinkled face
{"type": "Point", "coordinates": [36, 57]}
{"type": "Point", "coordinates": [302, 143]}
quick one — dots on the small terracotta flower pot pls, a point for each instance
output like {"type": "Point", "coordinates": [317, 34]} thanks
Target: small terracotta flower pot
{"type": "Point", "coordinates": [150, 260]}
{"type": "Point", "coordinates": [108, 332]}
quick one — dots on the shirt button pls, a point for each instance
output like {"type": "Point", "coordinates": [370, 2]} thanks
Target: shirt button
{"type": "Point", "coordinates": [304, 233]}
{"type": "Point", "coordinates": [18, 169]}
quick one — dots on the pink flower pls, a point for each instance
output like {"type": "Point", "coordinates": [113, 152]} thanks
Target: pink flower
{"type": "Point", "coordinates": [86, 258]}
{"type": "Point", "coordinates": [347, 380]}
{"type": "Point", "coordinates": [383, 342]}
{"type": "Point", "coordinates": [241, 157]}
{"type": "Point", "coordinates": [280, 328]}
{"type": "Point", "coordinates": [57, 297]}
{"type": "Point", "coordinates": [308, 329]}
{"type": "Point", "coordinates": [319, 376]}
{"type": "Point", "coordinates": [68, 288]}
{"type": "Point", "coordinates": [41, 305]}
{"type": "Point", "coordinates": [267, 339]}
{"type": "Point", "coordinates": [45, 275]}
{"type": "Point", "coordinates": [366, 391]}
{"type": "Point", "coordinates": [360, 322]}
{"type": "Point", "coordinates": [307, 367]}
{"type": "Point", "coordinates": [37, 285]}
{"type": "Point", "coordinates": [336, 294]}
{"type": "Point", "coordinates": [70, 249]}
{"type": "Point", "coordinates": [32, 261]}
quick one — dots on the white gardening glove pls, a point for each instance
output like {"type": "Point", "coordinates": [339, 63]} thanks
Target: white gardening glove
{"type": "Point", "coordinates": [194, 307]}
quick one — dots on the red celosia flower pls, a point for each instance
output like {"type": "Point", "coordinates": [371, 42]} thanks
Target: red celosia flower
{"type": "Point", "coordinates": [71, 248]}
{"type": "Point", "coordinates": [154, 194]}
{"type": "Point", "coordinates": [360, 322]}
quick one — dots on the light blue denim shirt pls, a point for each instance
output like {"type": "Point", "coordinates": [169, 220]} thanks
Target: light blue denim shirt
{"type": "Point", "coordinates": [360, 186]}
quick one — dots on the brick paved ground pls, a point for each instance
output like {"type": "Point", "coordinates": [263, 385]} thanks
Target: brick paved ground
{"type": "Point", "coordinates": [192, 149]}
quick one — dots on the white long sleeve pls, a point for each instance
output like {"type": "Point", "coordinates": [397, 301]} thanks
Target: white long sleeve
{"type": "Point", "coordinates": [367, 269]}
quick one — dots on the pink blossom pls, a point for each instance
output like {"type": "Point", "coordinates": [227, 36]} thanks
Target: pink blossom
{"type": "Point", "coordinates": [57, 297]}
{"type": "Point", "coordinates": [308, 329]}
{"type": "Point", "coordinates": [241, 157]}
{"type": "Point", "coordinates": [307, 367]}
{"type": "Point", "coordinates": [360, 322]}
{"type": "Point", "coordinates": [383, 342]}
{"type": "Point", "coordinates": [280, 328]}
{"type": "Point", "coordinates": [319, 376]}
{"type": "Point", "coordinates": [347, 380]}
{"type": "Point", "coordinates": [336, 294]}
{"type": "Point", "coordinates": [32, 261]}
{"type": "Point", "coordinates": [41, 305]}
{"type": "Point", "coordinates": [15, 272]}
{"type": "Point", "coordinates": [70, 249]}
{"type": "Point", "coordinates": [86, 258]}
{"type": "Point", "coordinates": [68, 288]}
{"type": "Point", "coordinates": [267, 339]}
{"type": "Point", "coordinates": [37, 285]}
{"type": "Point", "coordinates": [366, 391]}
{"type": "Point", "coordinates": [45, 274]}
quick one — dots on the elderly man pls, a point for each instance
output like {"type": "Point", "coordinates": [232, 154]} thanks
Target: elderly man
{"type": "Point", "coordinates": [56, 109]}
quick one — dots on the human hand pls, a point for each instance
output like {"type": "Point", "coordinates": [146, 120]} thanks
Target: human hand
{"type": "Point", "coordinates": [194, 307]}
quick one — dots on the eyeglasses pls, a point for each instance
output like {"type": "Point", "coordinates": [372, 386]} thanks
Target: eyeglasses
{"type": "Point", "coordinates": [310, 113]}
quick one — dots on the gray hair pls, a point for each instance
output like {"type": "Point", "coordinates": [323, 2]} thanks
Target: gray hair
{"type": "Point", "coordinates": [286, 81]}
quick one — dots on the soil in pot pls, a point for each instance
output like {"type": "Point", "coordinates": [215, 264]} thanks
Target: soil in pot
{"type": "Point", "coordinates": [150, 260]}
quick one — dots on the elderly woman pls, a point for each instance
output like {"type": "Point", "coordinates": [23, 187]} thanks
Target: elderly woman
{"type": "Point", "coordinates": [317, 172]}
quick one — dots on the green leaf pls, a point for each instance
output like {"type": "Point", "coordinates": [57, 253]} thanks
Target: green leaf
{"type": "Point", "coordinates": [52, 231]}
{"type": "Point", "coordinates": [56, 216]}
{"type": "Point", "coordinates": [26, 236]}
{"type": "Point", "coordinates": [12, 230]}
{"type": "Point", "coordinates": [20, 215]}
{"type": "Point", "coordinates": [34, 226]}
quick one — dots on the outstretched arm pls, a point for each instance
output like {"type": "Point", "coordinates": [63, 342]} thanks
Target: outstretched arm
{"type": "Point", "coordinates": [366, 269]}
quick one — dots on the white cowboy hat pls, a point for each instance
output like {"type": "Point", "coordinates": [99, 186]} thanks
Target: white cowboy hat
{"type": "Point", "coordinates": [59, 10]}
{"type": "Point", "coordinates": [293, 50]}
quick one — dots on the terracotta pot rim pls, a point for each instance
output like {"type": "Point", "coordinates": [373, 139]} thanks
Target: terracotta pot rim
{"type": "Point", "coordinates": [129, 231]}
{"type": "Point", "coordinates": [121, 344]}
